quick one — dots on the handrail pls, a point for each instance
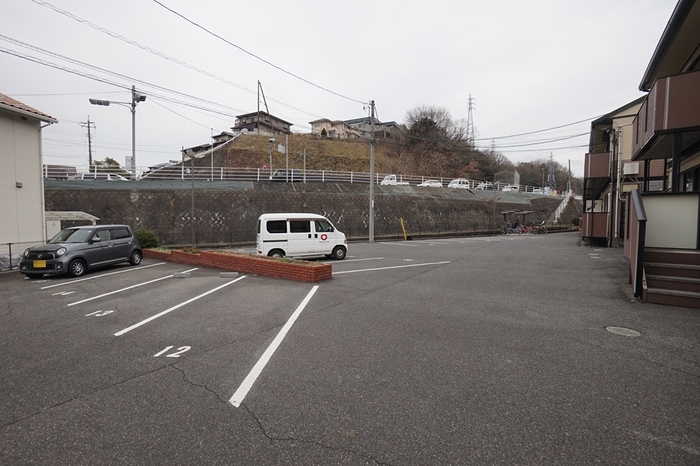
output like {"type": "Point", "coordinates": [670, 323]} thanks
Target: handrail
{"type": "Point", "coordinates": [560, 210]}
{"type": "Point", "coordinates": [637, 243]}
{"type": "Point", "coordinates": [638, 204]}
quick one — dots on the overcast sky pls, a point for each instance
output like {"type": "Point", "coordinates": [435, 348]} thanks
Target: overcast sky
{"type": "Point", "coordinates": [529, 66]}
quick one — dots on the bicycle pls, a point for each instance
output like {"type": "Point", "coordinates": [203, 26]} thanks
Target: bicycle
{"type": "Point", "coordinates": [540, 229]}
{"type": "Point", "coordinates": [511, 229]}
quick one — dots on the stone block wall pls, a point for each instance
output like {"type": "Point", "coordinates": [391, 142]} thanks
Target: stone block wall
{"type": "Point", "coordinates": [226, 213]}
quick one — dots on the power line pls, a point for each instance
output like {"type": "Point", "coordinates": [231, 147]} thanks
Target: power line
{"type": "Point", "coordinates": [123, 86]}
{"type": "Point", "coordinates": [540, 130]}
{"type": "Point", "coordinates": [257, 57]}
{"type": "Point", "coordinates": [160, 54]}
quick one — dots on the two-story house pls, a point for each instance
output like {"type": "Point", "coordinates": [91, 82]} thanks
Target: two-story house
{"type": "Point", "coordinates": [21, 181]}
{"type": "Point", "coordinates": [610, 173]}
{"type": "Point", "coordinates": [263, 123]}
{"type": "Point", "coordinates": [334, 129]}
{"type": "Point", "coordinates": [662, 234]}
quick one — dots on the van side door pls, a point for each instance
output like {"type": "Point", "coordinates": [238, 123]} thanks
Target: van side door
{"type": "Point", "coordinates": [301, 240]}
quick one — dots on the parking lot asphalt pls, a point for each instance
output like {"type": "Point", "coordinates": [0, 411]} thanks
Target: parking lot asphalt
{"type": "Point", "coordinates": [491, 350]}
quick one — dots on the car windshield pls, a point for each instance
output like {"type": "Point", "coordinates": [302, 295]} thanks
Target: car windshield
{"type": "Point", "coordinates": [71, 236]}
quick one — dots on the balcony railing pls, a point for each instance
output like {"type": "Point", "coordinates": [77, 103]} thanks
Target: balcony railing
{"type": "Point", "coordinates": [597, 165]}
{"type": "Point", "coordinates": [595, 225]}
{"type": "Point", "coordinates": [671, 106]}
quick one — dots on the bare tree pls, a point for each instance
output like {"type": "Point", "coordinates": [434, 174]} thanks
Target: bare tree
{"type": "Point", "coordinates": [434, 125]}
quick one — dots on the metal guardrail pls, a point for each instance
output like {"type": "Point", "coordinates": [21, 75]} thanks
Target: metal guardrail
{"type": "Point", "coordinates": [11, 253]}
{"type": "Point", "coordinates": [201, 173]}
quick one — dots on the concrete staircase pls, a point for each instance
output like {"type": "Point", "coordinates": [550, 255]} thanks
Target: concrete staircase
{"type": "Point", "coordinates": [672, 277]}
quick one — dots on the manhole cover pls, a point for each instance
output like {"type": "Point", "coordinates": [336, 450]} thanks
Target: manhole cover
{"type": "Point", "coordinates": [625, 332]}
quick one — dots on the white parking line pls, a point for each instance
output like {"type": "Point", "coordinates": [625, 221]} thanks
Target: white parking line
{"type": "Point", "coordinates": [399, 244]}
{"type": "Point", "coordinates": [99, 276]}
{"type": "Point", "coordinates": [357, 260]}
{"type": "Point", "coordinates": [248, 382]}
{"type": "Point", "coordinates": [127, 288]}
{"type": "Point", "coordinates": [393, 267]}
{"type": "Point", "coordinates": [167, 311]}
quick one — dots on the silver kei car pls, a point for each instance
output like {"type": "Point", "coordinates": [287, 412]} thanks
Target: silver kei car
{"type": "Point", "coordinates": [76, 250]}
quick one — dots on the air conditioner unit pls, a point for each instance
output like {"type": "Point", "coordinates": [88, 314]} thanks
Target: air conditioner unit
{"type": "Point", "coordinates": [630, 168]}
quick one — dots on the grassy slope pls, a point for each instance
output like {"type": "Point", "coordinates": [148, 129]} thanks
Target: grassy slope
{"type": "Point", "coordinates": [253, 151]}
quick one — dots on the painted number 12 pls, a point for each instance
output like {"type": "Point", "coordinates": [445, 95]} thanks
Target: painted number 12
{"type": "Point", "coordinates": [176, 354]}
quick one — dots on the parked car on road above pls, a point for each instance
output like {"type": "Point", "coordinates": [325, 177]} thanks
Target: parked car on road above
{"type": "Point", "coordinates": [391, 180]}
{"type": "Point", "coordinates": [431, 184]}
{"type": "Point", "coordinates": [102, 177]}
{"type": "Point", "coordinates": [510, 188]}
{"type": "Point", "coordinates": [291, 175]}
{"type": "Point", "coordinates": [459, 183]}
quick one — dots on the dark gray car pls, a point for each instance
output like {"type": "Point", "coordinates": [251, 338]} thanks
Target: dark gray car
{"type": "Point", "coordinates": [76, 250]}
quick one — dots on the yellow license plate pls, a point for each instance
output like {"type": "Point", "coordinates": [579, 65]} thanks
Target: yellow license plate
{"type": "Point", "coordinates": [39, 264]}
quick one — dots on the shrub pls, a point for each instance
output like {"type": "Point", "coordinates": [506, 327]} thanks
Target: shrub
{"type": "Point", "coordinates": [575, 221]}
{"type": "Point", "coordinates": [147, 238]}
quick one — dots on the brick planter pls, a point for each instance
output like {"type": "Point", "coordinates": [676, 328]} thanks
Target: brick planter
{"type": "Point", "coordinates": [258, 265]}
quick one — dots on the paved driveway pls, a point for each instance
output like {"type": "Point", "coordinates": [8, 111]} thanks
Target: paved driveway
{"type": "Point", "coordinates": [455, 351]}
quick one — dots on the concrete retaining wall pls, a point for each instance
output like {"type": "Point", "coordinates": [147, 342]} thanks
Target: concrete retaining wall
{"type": "Point", "coordinates": [226, 213]}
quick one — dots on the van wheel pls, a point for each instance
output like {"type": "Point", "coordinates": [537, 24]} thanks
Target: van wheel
{"type": "Point", "coordinates": [276, 253]}
{"type": "Point", "coordinates": [339, 253]}
{"type": "Point", "coordinates": [76, 268]}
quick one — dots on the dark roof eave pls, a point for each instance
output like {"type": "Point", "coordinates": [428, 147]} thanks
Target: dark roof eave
{"type": "Point", "coordinates": [672, 27]}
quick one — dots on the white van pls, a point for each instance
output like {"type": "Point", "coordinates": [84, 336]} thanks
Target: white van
{"type": "Point", "coordinates": [299, 235]}
{"type": "Point", "coordinates": [102, 177]}
{"type": "Point", "coordinates": [459, 183]}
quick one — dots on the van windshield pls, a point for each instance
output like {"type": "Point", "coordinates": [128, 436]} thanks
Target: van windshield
{"type": "Point", "coordinates": [71, 236]}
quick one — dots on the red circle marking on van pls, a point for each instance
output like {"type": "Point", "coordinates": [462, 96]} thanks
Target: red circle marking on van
{"type": "Point", "coordinates": [324, 237]}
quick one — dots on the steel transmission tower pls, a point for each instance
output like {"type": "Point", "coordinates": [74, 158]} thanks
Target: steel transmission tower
{"type": "Point", "coordinates": [470, 122]}
{"type": "Point", "coordinates": [551, 181]}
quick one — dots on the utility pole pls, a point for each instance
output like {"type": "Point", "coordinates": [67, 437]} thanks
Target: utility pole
{"type": "Point", "coordinates": [551, 181]}
{"type": "Point", "coordinates": [89, 124]}
{"type": "Point", "coordinates": [371, 174]}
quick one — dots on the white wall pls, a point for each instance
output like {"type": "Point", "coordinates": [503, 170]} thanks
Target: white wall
{"type": "Point", "coordinates": [672, 221]}
{"type": "Point", "coordinates": [21, 209]}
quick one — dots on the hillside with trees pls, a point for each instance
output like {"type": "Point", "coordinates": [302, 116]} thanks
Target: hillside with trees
{"type": "Point", "coordinates": [435, 146]}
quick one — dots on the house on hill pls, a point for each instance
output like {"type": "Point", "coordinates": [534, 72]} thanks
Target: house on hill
{"type": "Point", "coordinates": [263, 123]}
{"type": "Point", "coordinates": [389, 129]}
{"type": "Point", "coordinates": [334, 129]}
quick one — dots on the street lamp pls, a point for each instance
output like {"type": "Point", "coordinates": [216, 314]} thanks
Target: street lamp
{"type": "Point", "coordinates": [135, 99]}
